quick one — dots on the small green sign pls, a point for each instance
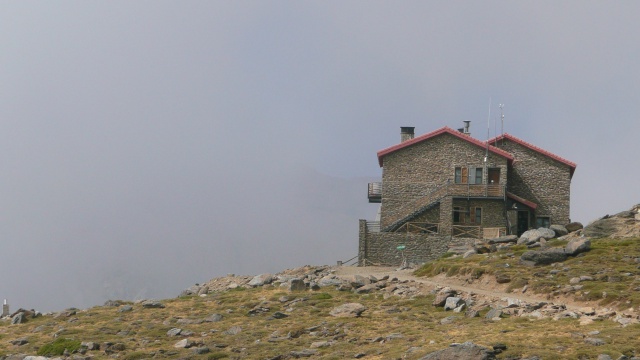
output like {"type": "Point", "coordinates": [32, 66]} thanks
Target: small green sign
{"type": "Point", "coordinates": [401, 247]}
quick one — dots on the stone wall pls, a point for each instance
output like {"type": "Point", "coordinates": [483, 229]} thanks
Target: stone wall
{"type": "Point", "coordinates": [493, 211]}
{"type": "Point", "coordinates": [540, 179]}
{"type": "Point", "coordinates": [415, 171]}
{"type": "Point", "coordinates": [381, 248]}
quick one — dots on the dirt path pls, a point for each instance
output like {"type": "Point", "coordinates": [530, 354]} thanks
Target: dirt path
{"type": "Point", "coordinates": [484, 287]}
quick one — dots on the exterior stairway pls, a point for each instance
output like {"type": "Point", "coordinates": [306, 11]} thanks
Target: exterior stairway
{"type": "Point", "coordinates": [416, 207]}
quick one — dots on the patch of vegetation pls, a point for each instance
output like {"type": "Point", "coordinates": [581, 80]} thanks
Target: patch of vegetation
{"type": "Point", "coordinates": [321, 296]}
{"type": "Point", "coordinates": [58, 346]}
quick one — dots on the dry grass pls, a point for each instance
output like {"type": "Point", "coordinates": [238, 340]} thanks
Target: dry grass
{"type": "Point", "coordinates": [409, 328]}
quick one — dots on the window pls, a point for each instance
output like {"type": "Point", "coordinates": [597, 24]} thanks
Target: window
{"type": "Point", "coordinates": [543, 221]}
{"type": "Point", "coordinates": [458, 175]}
{"type": "Point", "coordinates": [478, 215]}
{"type": "Point", "coordinates": [476, 176]}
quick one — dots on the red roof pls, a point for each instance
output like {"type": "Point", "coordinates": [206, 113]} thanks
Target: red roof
{"type": "Point", "coordinates": [517, 198]}
{"type": "Point", "coordinates": [570, 164]}
{"type": "Point", "coordinates": [444, 130]}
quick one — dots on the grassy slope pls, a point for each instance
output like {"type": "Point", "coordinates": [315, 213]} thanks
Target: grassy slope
{"type": "Point", "coordinates": [143, 331]}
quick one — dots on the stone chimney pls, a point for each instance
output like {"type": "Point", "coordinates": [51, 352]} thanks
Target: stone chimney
{"type": "Point", "coordinates": [406, 133]}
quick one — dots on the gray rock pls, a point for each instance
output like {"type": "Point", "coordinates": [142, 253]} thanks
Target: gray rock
{"type": "Point", "coordinates": [493, 313]}
{"type": "Point", "coordinates": [18, 318]}
{"type": "Point", "coordinates": [604, 227]}
{"type": "Point", "coordinates": [469, 253]}
{"type": "Point", "coordinates": [303, 353]}
{"type": "Point", "coordinates": [448, 320]}
{"type": "Point", "coordinates": [504, 239]}
{"type": "Point", "coordinates": [348, 310]}
{"type": "Point", "coordinates": [576, 246]}
{"type": "Point", "coordinates": [297, 285]}
{"type": "Point", "coordinates": [574, 226]}
{"type": "Point", "coordinates": [234, 330]}
{"type": "Point", "coordinates": [261, 280]}
{"type": "Point", "coordinates": [213, 318]}
{"type": "Point", "coordinates": [19, 342]}
{"type": "Point", "coordinates": [152, 304]}
{"type": "Point", "coordinates": [201, 350]}
{"type": "Point", "coordinates": [359, 281]}
{"type": "Point", "coordinates": [453, 302]}
{"type": "Point", "coordinates": [543, 257]}
{"type": "Point", "coordinates": [559, 230]}
{"type": "Point", "coordinates": [90, 345]}
{"type": "Point", "coordinates": [442, 295]}
{"type": "Point", "coordinates": [531, 236]}
{"type": "Point", "coordinates": [184, 344]}
{"type": "Point", "coordinates": [604, 357]}
{"type": "Point", "coordinates": [174, 332]}
{"type": "Point", "coordinates": [466, 351]}
{"type": "Point", "coordinates": [594, 341]}
{"type": "Point", "coordinates": [125, 308]}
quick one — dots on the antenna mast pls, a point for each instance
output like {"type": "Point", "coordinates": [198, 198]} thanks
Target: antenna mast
{"type": "Point", "coordinates": [486, 156]}
{"type": "Point", "coordinates": [501, 106]}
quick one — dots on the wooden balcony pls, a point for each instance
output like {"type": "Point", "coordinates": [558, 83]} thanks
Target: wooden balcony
{"type": "Point", "coordinates": [476, 190]}
{"type": "Point", "coordinates": [375, 192]}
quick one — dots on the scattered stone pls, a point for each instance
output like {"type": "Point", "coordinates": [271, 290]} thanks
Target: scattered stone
{"type": "Point", "coordinates": [297, 285]}
{"type": "Point", "coordinates": [201, 350]}
{"type": "Point", "coordinates": [152, 304]}
{"type": "Point", "coordinates": [348, 310]}
{"type": "Point", "coordinates": [125, 308]}
{"type": "Point", "coordinates": [452, 303]}
{"type": "Point", "coordinates": [213, 318]}
{"type": "Point", "coordinates": [504, 239]}
{"type": "Point", "coordinates": [493, 314]}
{"type": "Point", "coordinates": [442, 295]}
{"type": "Point", "coordinates": [559, 230]}
{"type": "Point", "coordinates": [467, 350]}
{"type": "Point", "coordinates": [174, 332]}
{"type": "Point", "coordinates": [576, 246]}
{"type": "Point", "coordinates": [543, 257]}
{"type": "Point", "coordinates": [469, 253]}
{"type": "Point", "coordinates": [303, 353]}
{"type": "Point", "coordinates": [502, 278]}
{"type": "Point", "coordinates": [18, 318]}
{"type": "Point", "coordinates": [594, 341]}
{"type": "Point", "coordinates": [279, 315]}
{"type": "Point", "coordinates": [184, 344]}
{"type": "Point", "coordinates": [574, 226]}
{"type": "Point", "coordinates": [19, 342]}
{"type": "Point", "coordinates": [234, 330]}
{"type": "Point", "coordinates": [448, 320]}
{"type": "Point", "coordinates": [261, 280]}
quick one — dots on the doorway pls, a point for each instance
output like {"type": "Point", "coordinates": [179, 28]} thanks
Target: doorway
{"type": "Point", "coordinates": [523, 221]}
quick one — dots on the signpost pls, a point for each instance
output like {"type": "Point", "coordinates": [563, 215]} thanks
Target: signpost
{"type": "Point", "coordinates": [404, 261]}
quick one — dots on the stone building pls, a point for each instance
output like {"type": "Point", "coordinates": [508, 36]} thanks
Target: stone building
{"type": "Point", "coordinates": [445, 189]}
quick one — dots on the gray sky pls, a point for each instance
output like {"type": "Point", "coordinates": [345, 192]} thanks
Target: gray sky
{"type": "Point", "coordinates": [146, 146]}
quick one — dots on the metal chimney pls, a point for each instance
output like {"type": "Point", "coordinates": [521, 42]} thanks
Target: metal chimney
{"type": "Point", "coordinates": [466, 127]}
{"type": "Point", "coordinates": [406, 133]}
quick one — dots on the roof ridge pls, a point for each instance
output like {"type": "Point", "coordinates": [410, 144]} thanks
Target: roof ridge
{"type": "Point", "coordinates": [540, 150]}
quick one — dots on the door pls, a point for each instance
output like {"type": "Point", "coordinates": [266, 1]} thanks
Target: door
{"type": "Point", "coordinates": [523, 221]}
{"type": "Point", "coordinates": [494, 176]}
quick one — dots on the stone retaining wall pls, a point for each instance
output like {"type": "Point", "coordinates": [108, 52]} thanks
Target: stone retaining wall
{"type": "Point", "coordinates": [380, 248]}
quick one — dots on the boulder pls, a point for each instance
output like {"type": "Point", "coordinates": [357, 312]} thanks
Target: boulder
{"type": "Point", "coordinates": [578, 245]}
{"type": "Point", "coordinates": [152, 304]}
{"type": "Point", "coordinates": [297, 285]}
{"type": "Point", "coordinates": [559, 230]}
{"type": "Point", "coordinates": [467, 350]}
{"type": "Point", "coordinates": [453, 302]}
{"type": "Point", "coordinates": [348, 310]}
{"type": "Point", "coordinates": [493, 313]}
{"type": "Point", "coordinates": [574, 226]}
{"type": "Point", "coordinates": [603, 227]}
{"type": "Point", "coordinates": [261, 280]}
{"type": "Point", "coordinates": [532, 236]}
{"type": "Point", "coordinates": [543, 257]}
{"type": "Point", "coordinates": [442, 295]}
{"type": "Point", "coordinates": [504, 239]}
{"type": "Point", "coordinates": [469, 253]}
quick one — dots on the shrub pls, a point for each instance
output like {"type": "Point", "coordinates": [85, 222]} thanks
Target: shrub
{"type": "Point", "coordinates": [58, 346]}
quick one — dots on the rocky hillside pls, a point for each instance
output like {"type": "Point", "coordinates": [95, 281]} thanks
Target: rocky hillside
{"type": "Point", "coordinates": [493, 301]}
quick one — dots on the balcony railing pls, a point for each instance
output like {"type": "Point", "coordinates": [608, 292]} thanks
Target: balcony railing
{"type": "Point", "coordinates": [375, 192]}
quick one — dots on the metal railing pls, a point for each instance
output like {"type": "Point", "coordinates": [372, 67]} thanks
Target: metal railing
{"type": "Point", "coordinates": [374, 192]}
{"type": "Point", "coordinates": [373, 226]}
